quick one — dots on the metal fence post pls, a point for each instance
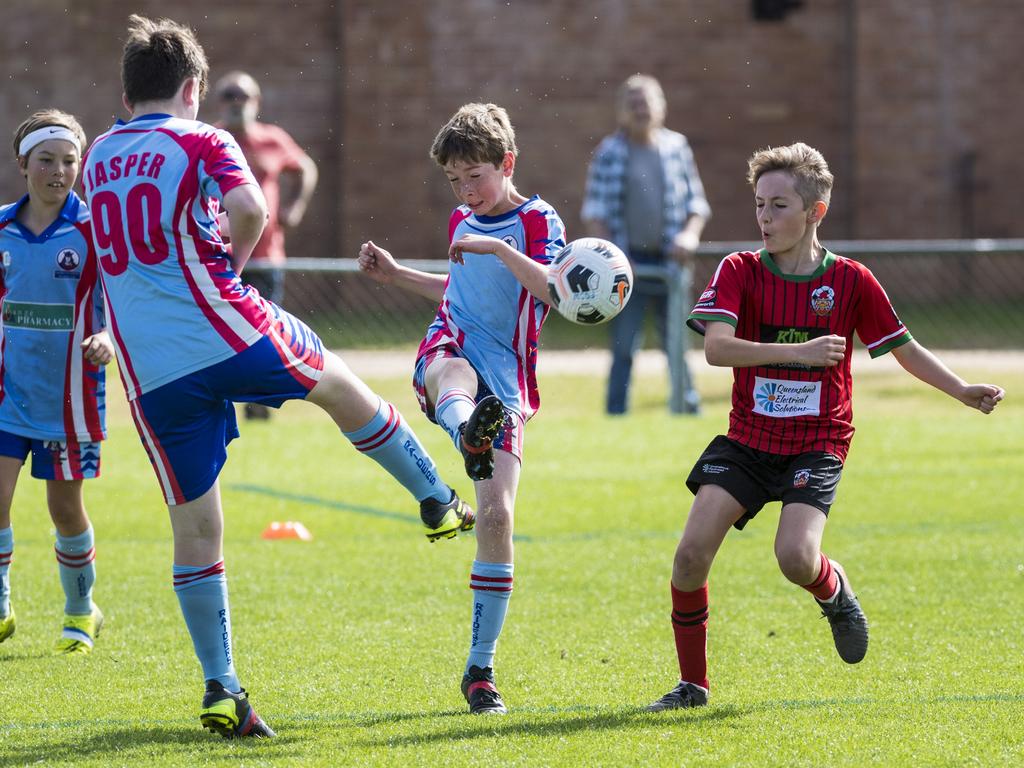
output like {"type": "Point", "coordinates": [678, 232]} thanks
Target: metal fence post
{"type": "Point", "coordinates": [683, 397]}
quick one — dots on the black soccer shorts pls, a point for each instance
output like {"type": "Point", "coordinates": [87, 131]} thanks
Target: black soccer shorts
{"type": "Point", "coordinates": [755, 478]}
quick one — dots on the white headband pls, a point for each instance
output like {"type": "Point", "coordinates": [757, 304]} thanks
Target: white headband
{"type": "Point", "coordinates": [45, 134]}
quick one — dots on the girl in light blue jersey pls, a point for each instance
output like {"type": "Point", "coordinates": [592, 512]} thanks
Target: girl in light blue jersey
{"type": "Point", "coordinates": [52, 324]}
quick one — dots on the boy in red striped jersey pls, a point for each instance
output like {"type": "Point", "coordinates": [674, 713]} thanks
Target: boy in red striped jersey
{"type": "Point", "coordinates": [783, 318]}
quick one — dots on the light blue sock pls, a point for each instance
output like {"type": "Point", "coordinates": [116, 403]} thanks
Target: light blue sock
{"type": "Point", "coordinates": [388, 441]}
{"type": "Point", "coordinates": [453, 409]}
{"type": "Point", "coordinates": [76, 562]}
{"type": "Point", "coordinates": [6, 552]}
{"type": "Point", "coordinates": [492, 587]}
{"type": "Point", "coordinates": [203, 595]}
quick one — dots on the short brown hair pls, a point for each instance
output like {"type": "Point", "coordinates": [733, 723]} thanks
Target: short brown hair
{"type": "Point", "coordinates": [811, 176]}
{"type": "Point", "coordinates": [476, 133]}
{"type": "Point", "coordinates": [45, 118]}
{"type": "Point", "coordinates": [158, 57]}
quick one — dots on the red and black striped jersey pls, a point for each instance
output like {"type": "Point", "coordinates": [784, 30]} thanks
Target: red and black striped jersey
{"type": "Point", "coordinates": [790, 408]}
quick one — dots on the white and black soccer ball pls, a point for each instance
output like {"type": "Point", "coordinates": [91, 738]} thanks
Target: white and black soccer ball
{"type": "Point", "coordinates": [590, 281]}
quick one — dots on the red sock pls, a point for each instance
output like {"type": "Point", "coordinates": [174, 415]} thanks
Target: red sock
{"type": "Point", "coordinates": [825, 585]}
{"type": "Point", "coordinates": [690, 625]}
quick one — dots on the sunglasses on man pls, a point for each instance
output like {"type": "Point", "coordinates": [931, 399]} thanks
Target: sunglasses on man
{"type": "Point", "coordinates": [234, 94]}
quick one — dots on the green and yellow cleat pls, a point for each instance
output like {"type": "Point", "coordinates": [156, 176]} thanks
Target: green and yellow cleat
{"type": "Point", "coordinates": [444, 521]}
{"type": "Point", "coordinates": [230, 714]}
{"type": "Point", "coordinates": [79, 633]}
{"type": "Point", "coordinates": [7, 625]}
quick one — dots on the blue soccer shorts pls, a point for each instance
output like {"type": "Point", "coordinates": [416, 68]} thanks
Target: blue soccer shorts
{"type": "Point", "coordinates": [513, 432]}
{"type": "Point", "coordinates": [186, 424]}
{"type": "Point", "coordinates": [54, 459]}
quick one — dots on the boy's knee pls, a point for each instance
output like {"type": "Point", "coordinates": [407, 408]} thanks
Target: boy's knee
{"type": "Point", "coordinates": [69, 519]}
{"type": "Point", "coordinates": [690, 566]}
{"type": "Point", "coordinates": [798, 562]}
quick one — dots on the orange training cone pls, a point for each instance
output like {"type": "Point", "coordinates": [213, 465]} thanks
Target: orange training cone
{"type": "Point", "coordinates": [287, 530]}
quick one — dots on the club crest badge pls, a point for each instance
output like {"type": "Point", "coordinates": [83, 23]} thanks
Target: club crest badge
{"type": "Point", "coordinates": [823, 300]}
{"type": "Point", "coordinates": [68, 259]}
{"type": "Point", "coordinates": [801, 478]}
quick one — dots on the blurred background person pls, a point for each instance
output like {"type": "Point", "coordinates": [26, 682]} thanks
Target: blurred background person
{"type": "Point", "coordinates": [271, 154]}
{"type": "Point", "coordinates": [644, 193]}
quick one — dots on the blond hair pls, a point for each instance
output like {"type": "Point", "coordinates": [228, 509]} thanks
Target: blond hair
{"type": "Point", "coordinates": [641, 82]}
{"type": "Point", "coordinates": [476, 133]}
{"type": "Point", "coordinates": [45, 118]}
{"type": "Point", "coordinates": [811, 176]}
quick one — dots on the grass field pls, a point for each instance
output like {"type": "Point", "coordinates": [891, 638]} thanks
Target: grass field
{"type": "Point", "coordinates": [352, 645]}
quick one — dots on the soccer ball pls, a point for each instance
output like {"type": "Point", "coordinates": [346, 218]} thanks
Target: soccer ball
{"type": "Point", "coordinates": [590, 281]}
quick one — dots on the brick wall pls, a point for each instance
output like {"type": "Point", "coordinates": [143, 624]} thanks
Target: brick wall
{"type": "Point", "coordinates": [908, 100]}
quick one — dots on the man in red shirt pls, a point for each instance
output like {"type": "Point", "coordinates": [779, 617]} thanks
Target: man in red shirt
{"type": "Point", "coordinates": [783, 318]}
{"type": "Point", "coordinates": [271, 154]}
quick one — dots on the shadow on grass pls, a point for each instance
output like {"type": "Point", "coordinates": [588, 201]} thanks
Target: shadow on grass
{"type": "Point", "coordinates": [23, 655]}
{"type": "Point", "coordinates": [70, 745]}
{"type": "Point", "coordinates": [533, 723]}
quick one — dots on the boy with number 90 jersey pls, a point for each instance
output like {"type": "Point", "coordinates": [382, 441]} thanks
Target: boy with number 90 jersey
{"type": "Point", "coordinates": [192, 339]}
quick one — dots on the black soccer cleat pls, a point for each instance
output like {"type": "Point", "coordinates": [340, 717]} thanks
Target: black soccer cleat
{"type": "Point", "coordinates": [482, 696]}
{"type": "Point", "coordinates": [848, 622]}
{"type": "Point", "coordinates": [683, 696]}
{"type": "Point", "coordinates": [230, 714]}
{"type": "Point", "coordinates": [444, 521]}
{"type": "Point", "coordinates": [477, 435]}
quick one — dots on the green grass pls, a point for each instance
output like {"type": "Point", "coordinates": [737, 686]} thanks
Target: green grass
{"type": "Point", "coordinates": [352, 645]}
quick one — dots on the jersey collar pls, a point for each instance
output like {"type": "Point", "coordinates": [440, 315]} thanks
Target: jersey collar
{"type": "Point", "coordinates": [827, 260]}
{"type": "Point", "coordinates": [68, 212]}
{"type": "Point", "coordinates": [503, 216]}
{"type": "Point", "coordinates": [151, 116]}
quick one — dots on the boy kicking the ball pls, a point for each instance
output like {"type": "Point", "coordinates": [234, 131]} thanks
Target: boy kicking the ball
{"type": "Point", "coordinates": [476, 369]}
{"type": "Point", "coordinates": [783, 318]}
{"type": "Point", "coordinates": [192, 339]}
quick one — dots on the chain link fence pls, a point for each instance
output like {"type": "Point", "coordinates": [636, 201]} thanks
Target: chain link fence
{"type": "Point", "coordinates": [952, 294]}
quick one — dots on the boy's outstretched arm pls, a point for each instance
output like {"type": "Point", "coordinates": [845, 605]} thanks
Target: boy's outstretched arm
{"type": "Point", "coordinates": [531, 274]}
{"type": "Point", "coordinates": [380, 265]}
{"type": "Point", "coordinates": [921, 363]}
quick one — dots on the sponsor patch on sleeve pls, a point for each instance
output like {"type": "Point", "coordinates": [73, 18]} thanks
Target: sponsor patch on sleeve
{"type": "Point", "coordinates": [707, 299]}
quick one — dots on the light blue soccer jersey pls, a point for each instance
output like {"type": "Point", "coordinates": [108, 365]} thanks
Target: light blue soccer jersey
{"type": "Point", "coordinates": [174, 302]}
{"type": "Point", "coordinates": [487, 313]}
{"type": "Point", "coordinates": [51, 302]}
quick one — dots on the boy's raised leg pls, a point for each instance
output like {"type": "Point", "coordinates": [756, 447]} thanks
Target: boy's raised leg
{"type": "Point", "coordinates": [376, 428]}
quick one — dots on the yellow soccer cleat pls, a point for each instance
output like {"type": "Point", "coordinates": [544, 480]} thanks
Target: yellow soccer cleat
{"type": "Point", "coordinates": [231, 715]}
{"type": "Point", "coordinates": [7, 625]}
{"type": "Point", "coordinates": [79, 633]}
{"type": "Point", "coordinates": [444, 521]}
